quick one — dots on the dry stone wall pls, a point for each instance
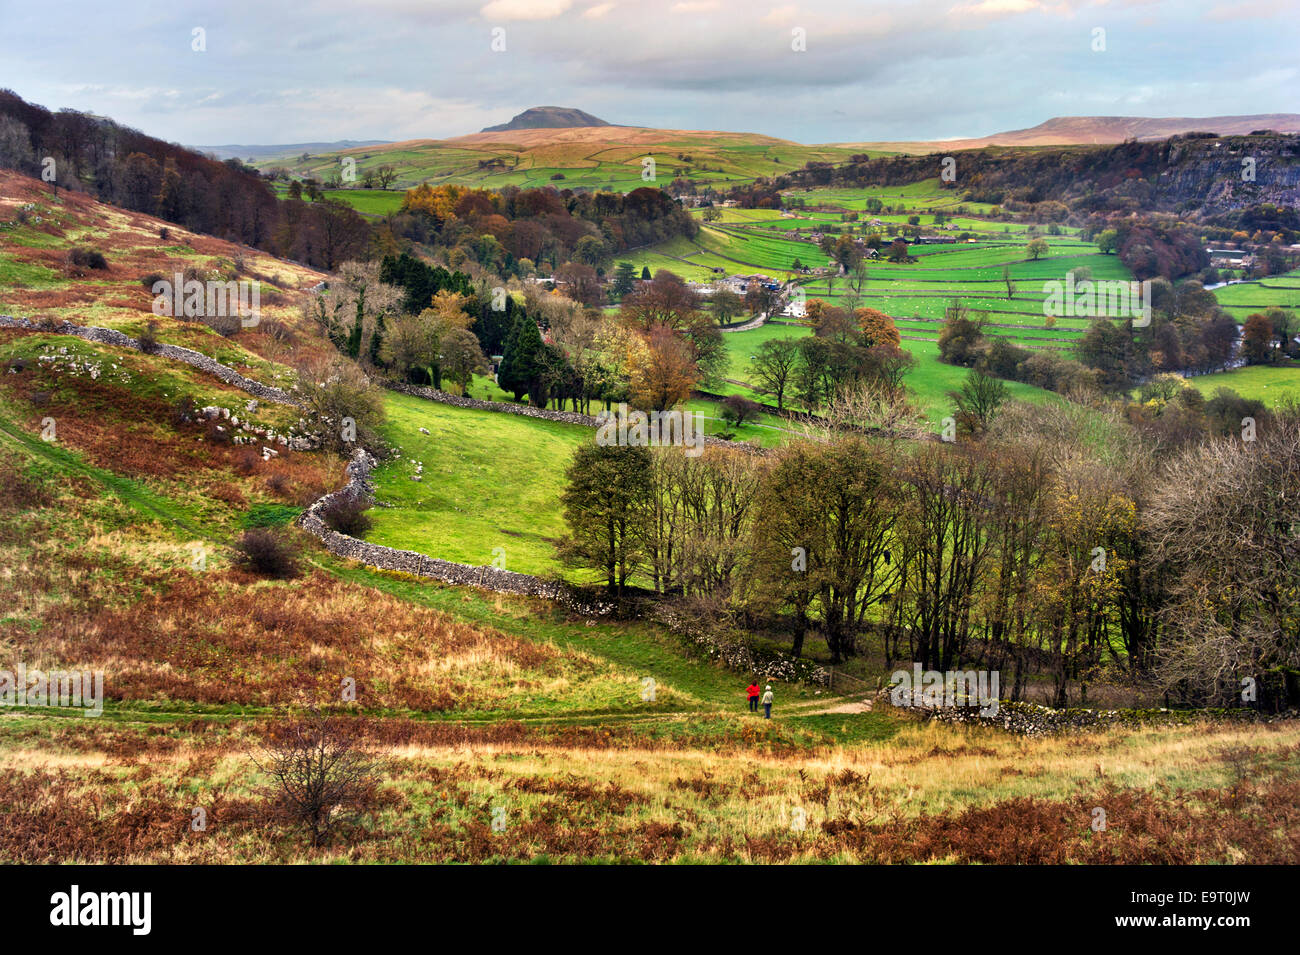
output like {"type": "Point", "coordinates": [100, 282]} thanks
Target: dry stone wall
{"type": "Point", "coordinates": [109, 336]}
{"type": "Point", "coordinates": [359, 488]}
{"type": "Point", "coordinates": [564, 417]}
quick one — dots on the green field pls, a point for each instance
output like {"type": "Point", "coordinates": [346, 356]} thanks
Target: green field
{"type": "Point", "coordinates": [489, 481]}
{"type": "Point", "coordinates": [1243, 299]}
{"type": "Point", "coordinates": [928, 383]}
{"type": "Point", "coordinates": [917, 294]}
{"type": "Point", "coordinates": [369, 202]}
{"type": "Point", "coordinates": [1268, 383]}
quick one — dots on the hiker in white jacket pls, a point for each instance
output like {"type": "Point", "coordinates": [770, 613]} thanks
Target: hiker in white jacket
{"type": "Point", "coordinates": [767, 702]}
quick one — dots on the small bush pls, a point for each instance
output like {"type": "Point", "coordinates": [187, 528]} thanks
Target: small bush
{"type": "Point", "coordinates": [184, 410]}
{"type": "Point", "coordinates": [225, 325]}
{"type": "Point", "coordinates": [324, 776]}
{"type": "Point", "coordinates": [264, 552]}
{"type": "Point", "coordinates": [87, 259]}
{"type": "Point", "coordinates": [20, 493]}
{"type": "Point", "coordinates": [247, 460]}
{"type": "Point", "coordinates": [275, 329]}
{"type": "Point", "coordinates": [164, 233]}
{"type": "Point", "coordinates": [347, 517]}
{"type": "Point", "coordinates": [151, 279]}
{"type": "Point", "coordinates": [218, 433]}
{"type": "Point", "coordinates": [149, 337]}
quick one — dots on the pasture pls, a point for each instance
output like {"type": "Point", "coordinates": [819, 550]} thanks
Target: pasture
{"type": "Point", "coordinates": [489, 487]}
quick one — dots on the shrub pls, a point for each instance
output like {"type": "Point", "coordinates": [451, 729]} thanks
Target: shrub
{"type": "Point", "coordinates": [347, 517]}
{"type": "Point", "coordinates": [20, 493]}
{"type": "Point", "coordinates": [216, 432]}
{"type": "Point", "coordinates": [264, 552]}
{"type": "Point", "coordinates": [323, 776]}
{"type": "Point", "coordinates": [149, 337]}
{"type": "Point", "coordinates": [247, 460]}
{"type": "Point", "coordinates": [737, 409]}
{"type": "Point", "coordinates": [276, 329]}
{"type": "Point", "coordinates": [149, 280]}
{"type": "Point", "coordinates": [82, 258]}
{"type": "Point", "coordinates": [225, 325]}
{"type": "Point", "coordinates": [164, 233]}
{"type": "Point", "coordinates": [184, 410]}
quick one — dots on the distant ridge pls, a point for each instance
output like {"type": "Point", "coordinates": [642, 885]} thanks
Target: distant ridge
{"type": "Point", "coordinates": [255, 151]}
{"type": "Point", "coordinates": [1063, 130]}
{"type": "Point", "coordinates": [548, 117]}
{"type": "Point", "coordinates": [1105, 130]}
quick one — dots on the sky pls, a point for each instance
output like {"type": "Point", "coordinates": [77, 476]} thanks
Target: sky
{"type": "Point", "coordinates": [814, 72]}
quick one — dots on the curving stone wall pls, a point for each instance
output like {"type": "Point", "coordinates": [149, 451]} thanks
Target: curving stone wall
{"type": "Point", "coordinates": [459, 401]}
{"type": "Point", "coordinates": [564, 417]}
{"type": "Point", "coordinates": [409, 561]}
{"type": "Point", "coordinates": [108, 336]}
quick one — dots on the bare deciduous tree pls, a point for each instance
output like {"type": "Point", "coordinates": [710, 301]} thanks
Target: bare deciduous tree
{"type": "Point", "coordinates": [323, 776]}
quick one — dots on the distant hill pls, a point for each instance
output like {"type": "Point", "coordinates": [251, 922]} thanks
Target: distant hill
{"type": "Point", "coordinates": [1102, 130]}
{"type": "Point", "coordinates": [266, 151]}
{"type": "Point", "coordinates": [570, 149]}
{"type": "Point", "coordinates": [547, 117]}
{"type": "Point", "coordinates": [1063, 130]}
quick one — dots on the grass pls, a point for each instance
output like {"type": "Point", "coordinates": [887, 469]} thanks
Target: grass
{"type": "Point", "coordinates": [732, 790]}
{"type": "Point", "coordinates": [1243, 299]}
{"type": "Point", "coordinates": [1267, 383]}
{"type": "Point", "coordinates": [489, 490]}
{"type": "Point", "coordinates": [928, 383]}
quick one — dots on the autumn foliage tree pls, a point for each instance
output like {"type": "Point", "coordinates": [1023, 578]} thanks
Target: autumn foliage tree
{"type": "Point", "coordinates": [877, 328]}
{"type": "Point", "coordinates": [664, 373]}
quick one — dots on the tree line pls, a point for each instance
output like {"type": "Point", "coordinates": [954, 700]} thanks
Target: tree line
{"type": "Point", "coordinates": [1034, 549]}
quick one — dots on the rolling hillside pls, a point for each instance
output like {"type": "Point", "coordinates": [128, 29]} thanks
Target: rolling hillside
{"type": "Point", "coordinates": [593, 157]}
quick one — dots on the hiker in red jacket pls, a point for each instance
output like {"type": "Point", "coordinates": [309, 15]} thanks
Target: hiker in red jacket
{"type": "Point", "coordinates": [753, 692]}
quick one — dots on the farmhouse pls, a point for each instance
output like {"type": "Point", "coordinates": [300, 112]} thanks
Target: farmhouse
{"type": "Point", "coordinates": [1229, 258]}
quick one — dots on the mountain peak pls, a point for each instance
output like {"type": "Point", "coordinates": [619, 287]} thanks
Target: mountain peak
{"type": "Point", "coordinates": [548, 117]}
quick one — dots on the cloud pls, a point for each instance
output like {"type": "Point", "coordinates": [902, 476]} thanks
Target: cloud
{"type": "Point", "coordinates": [598, 11]}
{"type": "Point", "coordinates": [1001, 8]}
{"type": "Point", "coordinates": [782, 14]}
{"type": "Point", "coordinates": [525, 9]}
{"type": "Point", "coordinates": [695, 6]}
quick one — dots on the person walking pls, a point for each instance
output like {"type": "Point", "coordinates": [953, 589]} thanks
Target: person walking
{"type": "Point", "coordinates": [767, 703]}
{"type": "Point", "coordinates": [753, 693]}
